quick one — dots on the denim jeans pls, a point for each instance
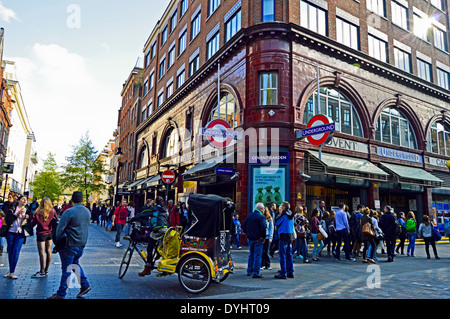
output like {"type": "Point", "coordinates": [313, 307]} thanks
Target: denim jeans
{"type": "Point", "coordinates": [286, 261]}
{"type": "Point", "coordinates": [254, 257]}
{"type": "Point", "coordinates": [14, 242]}
{"type": "Point", "coordinates": [70, 258]}
{"type": "Point", "coordinates": [318, 245]}
{"type": "Point", "coordinates": [119, 228]}
{"type": "Point", "coordinates": [412, 243]}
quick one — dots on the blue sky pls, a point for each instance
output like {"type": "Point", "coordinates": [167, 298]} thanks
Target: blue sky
{"type": "Point", "coordinates": [72, 58]}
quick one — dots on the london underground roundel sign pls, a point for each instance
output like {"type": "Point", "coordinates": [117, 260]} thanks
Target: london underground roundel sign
{"type": "Point", "coordinates": [219, 133]}
{"type": "Point", "coordinates": [319, 130]}
{"type": "Point", "coordinates": [168, 177]}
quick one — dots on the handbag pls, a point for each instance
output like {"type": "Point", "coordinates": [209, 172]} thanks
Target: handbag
{"type": "Point", "coordinates": [367, 230]}
{"type": "Point", "coordinates": [28, 230]}
{"type": "Point", "coordinates": [320, 236]}
{"type": "Point", "coordinates": [435, 234]}
{"type": "Point", "coordinates": [323, 232]}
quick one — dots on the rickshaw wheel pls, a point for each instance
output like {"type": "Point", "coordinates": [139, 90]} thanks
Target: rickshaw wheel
{"type": "Point", "coordinates": [223, 277]}
{"type": "Point", "coordinates": [194, 274]}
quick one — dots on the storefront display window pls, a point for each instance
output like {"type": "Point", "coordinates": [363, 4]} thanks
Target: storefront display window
{"type": "Point", "coordinates": [336, 106]}
{"type": "Point", "coordinates": [439, 139]}
{"type": "Point", "coordinates": [394, 128]}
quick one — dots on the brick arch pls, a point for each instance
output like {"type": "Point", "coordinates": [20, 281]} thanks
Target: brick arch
{"type": "Point", "coordinates": [409, 113]}
{"type": "Point", "coordinates": [168, 129]}
{"type": "Point", "coordinates": [346, 89]}
{"type": "Point", "coordinates": [141, 149]}
{"type": "Point", "coordinates": [212, 100]}
{"type": "Point", "coordinates": [436, 118]}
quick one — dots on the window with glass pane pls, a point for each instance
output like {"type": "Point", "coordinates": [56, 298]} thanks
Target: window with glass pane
{"type": "Point", "coordinates": [424, 70]}
{"type": "Point", "coordinates": [184, 4]}
{"type": "Point", "coordinates": [437, 4]}
{"type": "Point", "coordinates": [171, 58]}
{"type": "Point", "coordinates": [233, 25]}
{"type": "Point", "coordinates": [268, 10]}
{"type": "Point", "coordinates": [227, 110]}
{"type": "Point", "coordinates": [212, 46]}
{"type": "Point", "coordinates": [180, 79]}
{"type": "Point", "coordinates": [195, 25]}
{"type": "Point", "coordinates": [193, 65]}
{"type": "Point", "coordinates": [399, 15]}
{"type": "Point", "coordinates": [402, 60]}
{"type": "Point", "coordinates": [439, 139]}
{"type": "Point", "coordinates": [164, 35]}
{"type": "Point", "coordinates": [182, 43]}
{"type": "Point", "coordinates": [421, 28]}
{"type": "Point", "coordinates": [377, 48]}
{"type": "Point", "coordinates": [394, 128]}
{"type": "Point", "coordinates": [173, 21]}
{"type": "Point", "coordinates": [313, 18]}
{"type": "Point", "coordinates": [171, 144]}
{"type": "Point", "coordinates": [443, 78]}
{"type": "Point", "coordinates": [268, 87]}
{"type": "Point", "coordinates": [213, 5]}
{"type": "Point", "coordinates": [376, 6]}
{"type": "Point", "coordinates": [440, 39]}
{"type": "Point", "coordinates": [160, 99]}
{"type": "Point", "coordinates": [169, 90]}
{"type": "Point", "coordinates": [336, 106]}
{"type": "Point", "coordinates": [347, 33]}
{"type": "Point", "coordinates": [162, 68]}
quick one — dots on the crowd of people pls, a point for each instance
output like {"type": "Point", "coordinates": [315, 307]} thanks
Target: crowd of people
{"type": "Point", "coordinates": [363, 233]}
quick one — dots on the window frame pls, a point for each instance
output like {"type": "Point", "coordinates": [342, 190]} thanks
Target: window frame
{"type": "Point", "coordinates": [351, 27]}
{"type": "Point", "coordinates": [262, 89]}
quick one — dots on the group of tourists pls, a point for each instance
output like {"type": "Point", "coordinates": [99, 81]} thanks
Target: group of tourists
{"type": "Point", "coordinates": [20, 220]}
{"type": "Point", "coordinates": [362, 233]}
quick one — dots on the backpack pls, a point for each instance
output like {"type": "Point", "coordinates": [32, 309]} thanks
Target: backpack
{"type": "Point", "coordinates": [411, 225]}
{"type": "Point", "coordinates": [400, 229]}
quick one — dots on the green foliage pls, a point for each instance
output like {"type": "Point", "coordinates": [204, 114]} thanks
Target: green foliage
{"type": "Point", "coordinates": [83, 171]}
{"type": "Point", "coordinates": [48, 181]}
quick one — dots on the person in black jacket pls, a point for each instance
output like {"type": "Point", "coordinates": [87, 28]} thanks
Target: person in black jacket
{"type": "Point", "coordinates": [254, 227]}
{"type": "Point", "coordinates": [389, 228]}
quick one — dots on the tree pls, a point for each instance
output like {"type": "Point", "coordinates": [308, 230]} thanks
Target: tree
{"type": "Point", "coordinates": [83, 171]}
{"type": "Point", "coordinates": [48, 182]}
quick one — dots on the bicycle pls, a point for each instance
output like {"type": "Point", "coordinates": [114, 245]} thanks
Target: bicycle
{"type": "Point", "coordinates": [135, 240]}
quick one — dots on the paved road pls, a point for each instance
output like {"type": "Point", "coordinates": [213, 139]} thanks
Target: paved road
{"type": "Point", "coordinates": [407, 277]}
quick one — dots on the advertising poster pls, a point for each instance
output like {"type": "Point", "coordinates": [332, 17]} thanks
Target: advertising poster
{"type": "Point", "coordinates": [268, 185]}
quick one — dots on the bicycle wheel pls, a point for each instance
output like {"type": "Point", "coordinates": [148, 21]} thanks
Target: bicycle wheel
{"type": "Point", "coordinates": [126, 260]}
{"type": "Point", "coordinates": [194, 274]}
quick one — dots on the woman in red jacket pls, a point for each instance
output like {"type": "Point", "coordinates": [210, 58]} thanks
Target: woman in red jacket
{"type": "Point", "coordinates": [45, 220]}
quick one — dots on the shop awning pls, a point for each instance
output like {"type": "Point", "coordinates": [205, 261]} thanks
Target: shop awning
{"type": "Point", "coordinates": [152, 181]}
{"type": "Point", "coordinates": [205, 166]}
{"type": "Point", "coordinates": [344, 166]}
{"type": "Point", "coordinates": [412, 175]}
{"type": "Point", "coordinates": [134, 184]}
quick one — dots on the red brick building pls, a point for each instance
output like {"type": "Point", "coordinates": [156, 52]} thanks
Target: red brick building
{"type": "Point", "coordinates": [383, 71]}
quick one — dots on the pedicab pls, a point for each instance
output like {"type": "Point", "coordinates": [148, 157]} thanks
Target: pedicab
{"type": "Point", "coordinates": [200, 254]}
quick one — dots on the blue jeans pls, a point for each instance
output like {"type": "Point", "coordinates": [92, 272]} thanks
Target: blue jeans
{"type": "Point", "coordinates": [70, 258]}
{"type": "Point", "coordinates": [254, 257]}
{"type": "Point", "coordinates": [412, 243]}
{"type": "Point", "coordinates": [14, 242]}
{"type": "Point", "coordinates": [286, 261]}
{"type": "Point", "coordinates": [318, 245]}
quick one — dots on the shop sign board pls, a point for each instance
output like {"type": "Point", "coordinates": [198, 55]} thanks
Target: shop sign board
{"type": "Point", "coordinates": [220, 134]}
{"type": "Point", "coordinates": [268, 185]}
{"type": "Point", "coordinates": [280, 157]}
{"type": "Point", "coordinates": [399, 155]}
{"type": "Point", "coordinates": [344, 144]}
{"type": "Point", "coordinates": [320, 130]}
{"type": "Point", "coordinates": [438, 162]}
{"type": "Point", "coordinates": [224, 170]}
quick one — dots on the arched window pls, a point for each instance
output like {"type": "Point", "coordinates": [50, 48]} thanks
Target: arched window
{"type": "Point", "coordinates": [142, 158]}
{"type": "Point", "coordinates": [171, 145]}
{"type": "Point", "coordinates": [394, 128]}
{"type": "Point", "coordinates": [338, 107]}
{"type": "Point", "coordinates": [227, 111]}
{"type": "Point", "coordinates": [439, 139]}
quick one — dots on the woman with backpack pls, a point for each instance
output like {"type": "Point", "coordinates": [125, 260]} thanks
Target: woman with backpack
{"type": "Point", "coordinates": [401, 233]}
{"type": "Point", "coordinates": [426, 232]}
{"type": "Point", "coordinates": [411, 233]}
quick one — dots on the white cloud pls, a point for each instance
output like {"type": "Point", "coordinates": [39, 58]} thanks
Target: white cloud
{"type": "Point", "coordinates": [7, 14]}
{"type": "Point", "coordinates": [64, 101]}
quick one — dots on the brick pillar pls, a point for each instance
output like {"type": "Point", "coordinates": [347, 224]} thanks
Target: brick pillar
{"type": "Point", "coordinates": [427, 202]}
{"type": "Point", "coordinates": [373, 195]}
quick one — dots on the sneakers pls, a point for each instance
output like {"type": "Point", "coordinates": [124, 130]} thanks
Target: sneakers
{"type": "Point", "coordinates": [118, 244]}
{"type": "Point", "coordinates": [83, 291]}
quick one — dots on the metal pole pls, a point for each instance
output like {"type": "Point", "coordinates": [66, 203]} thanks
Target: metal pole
{"type": "Point", "coordinates": [318, 104]}
{"type": "Point", "coordinates": [4, 191]}
{"type": "Point", "coordinates": [218, 88]}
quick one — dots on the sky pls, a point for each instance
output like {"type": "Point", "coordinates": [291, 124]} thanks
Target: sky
{"type": "Point", "coordinates": [72, 59]}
